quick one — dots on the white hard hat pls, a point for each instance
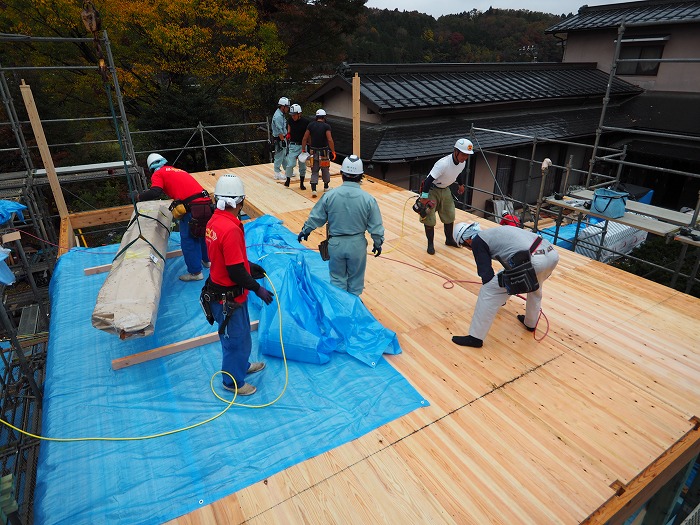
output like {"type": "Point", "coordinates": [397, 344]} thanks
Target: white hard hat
{"type": "Point", "coordinates": [321, 113]}
{"type": "Point", "coordinates": [464, 231]}
{"type": "Point", "coordinates": [229, 186]}
{"type": "Point", "coordinates": [155, 158]}
{"type": "Point", "coordinates": [283, 101]}
{"type": "Point", "coordinates": [294, 109]}
{"type": "Point", "coordinates": [352, 166]}
{"type": "Point", "coordinates": [465, 146]}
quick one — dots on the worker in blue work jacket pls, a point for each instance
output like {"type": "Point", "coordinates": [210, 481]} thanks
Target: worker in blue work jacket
{"type": "Point", "coordinates": [279, 136]}
{"type": "Point", "coordinates": [349, 212]}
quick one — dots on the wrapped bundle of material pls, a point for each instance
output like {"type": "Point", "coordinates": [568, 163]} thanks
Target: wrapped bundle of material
{"type": "Point", "coordinates": [127, 304]}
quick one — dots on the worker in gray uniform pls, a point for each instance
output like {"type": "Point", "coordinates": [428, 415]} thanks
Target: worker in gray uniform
{"type": "Point", "coordinates": [349, 212]}
{"type": "Point", "coordinates": [500, 244]}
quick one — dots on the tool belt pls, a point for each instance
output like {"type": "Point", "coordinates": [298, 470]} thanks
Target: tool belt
{"type": "Point", "coordinates": [321, 156]}
{"type": "Point", "coordinates": [518, 275]}
{"type": "Point", "coordinates": [180, 207]}
{"type": "Point", "coordinates": [212, 292]}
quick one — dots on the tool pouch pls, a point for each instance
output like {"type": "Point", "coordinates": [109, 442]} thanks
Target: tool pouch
{"type": "Point", "coordinates": [518, 275]}
{"type": "Point", "coordinates": [323, 250]}
{"type": "Point", "coordinates": [201, 213]}
{"type": "Point", "coordinates": [205, 302]}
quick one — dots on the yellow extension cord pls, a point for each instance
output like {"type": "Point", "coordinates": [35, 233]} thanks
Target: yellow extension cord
{"type": "Point", "coordinates": [211, 385]}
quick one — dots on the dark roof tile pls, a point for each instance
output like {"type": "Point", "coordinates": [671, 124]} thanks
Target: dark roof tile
{"type": "Point", "coordinates": [612, 15]}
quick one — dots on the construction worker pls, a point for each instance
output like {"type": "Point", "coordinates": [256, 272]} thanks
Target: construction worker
{"type": "Point", "coordinates": [436, 194]}
{"type": "Point", "coordinates": [183, 189]}
{"type": "Point", "coordinates": [349, 212]}
{"type": "Point", "coordinates": [509, 219]}
{"type": "Point", "coordinates": [322, 149]}
{"type": "Point", "coordinates": [225, 293]}
{"type": "Point", "coordinates": [279, 134]}
{"type": "Point", "coordinates": [296, 127]}
{"type": "Point", "coordinates": [501, 244]}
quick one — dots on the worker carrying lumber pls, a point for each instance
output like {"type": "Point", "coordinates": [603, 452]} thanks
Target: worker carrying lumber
{"type": "Point", "coordinates": [528, 260]}
{"type": "Point", "coordinates": [191, 206]}
{"type": "Point", "coordinates": [349, 212]}
{"type": "Point", "coordinates": [319, 139]}
{"type": "Point", "coordinates": [436, 195]}
{"type": "Point", "coordinates": [225, 293]}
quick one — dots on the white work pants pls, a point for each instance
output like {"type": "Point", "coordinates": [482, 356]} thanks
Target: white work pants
{"type": "Point", "coordinates": [492, 296]}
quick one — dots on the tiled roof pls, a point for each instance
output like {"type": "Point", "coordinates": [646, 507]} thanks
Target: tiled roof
{"type": "Point", "coordinates": [649, 12]}
{"type": "Point", "coordinates": [391, 89]}
{"type": "Point", "coordinates": [430, 139]}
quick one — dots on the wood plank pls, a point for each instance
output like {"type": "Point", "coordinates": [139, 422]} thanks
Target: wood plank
{"type": "Point", "coordinates": [113, 215]}
{"type": "Point", "coordinates": [174, 348]}
{"type": "Point", "coordinates": [628, 219]}
{"type": "Point", "coordinates": [107, 267]}
{"type": "Point", "coordinates": [663, 214]}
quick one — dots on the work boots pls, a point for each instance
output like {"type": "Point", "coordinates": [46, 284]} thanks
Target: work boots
{"type": "Point", "coordinates": [301, 183]}
{"type": "Point", "coordinates": [449, 238]}
{"type": "Point", "coordinates": [430, 234]}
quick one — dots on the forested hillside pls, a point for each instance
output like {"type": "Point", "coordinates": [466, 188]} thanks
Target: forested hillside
{"type": "Point", "coordinates": [181, 62]}
{"type": "Point", "coordinates": [497, 35]}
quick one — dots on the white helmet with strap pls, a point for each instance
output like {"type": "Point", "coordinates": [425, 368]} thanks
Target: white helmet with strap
{"type": "Point", "coordinates": [352, 167]}
{"type": "Point", "coordinates": [294, 109]}
{"type": "Point", "coordinates": [155, 161]}
{"type": "Point", "coordinates": [464, 231]}
{"type": "Point", "coordinates": [228, 191]}
{"type": "Point", "coordinates": [283, 101]}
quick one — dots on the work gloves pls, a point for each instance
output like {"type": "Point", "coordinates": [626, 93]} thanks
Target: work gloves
{"type": "Point", "coordinates": [256, 271]}
{"type": "Point", "coordinates": [264, 294]}
{"type": "Point", "coordinates": [303, 236]}
{"type": "Point", "coordinates": [377, 250]}
{"type": "Point", "coordinates": [332, 155]}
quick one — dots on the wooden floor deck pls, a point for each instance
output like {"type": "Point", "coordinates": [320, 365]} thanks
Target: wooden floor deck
{"type": "Point", "coordinates": [581, 426]}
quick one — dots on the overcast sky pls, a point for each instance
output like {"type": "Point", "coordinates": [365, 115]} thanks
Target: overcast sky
{"type": "Point", "coordinates": [438, 8]}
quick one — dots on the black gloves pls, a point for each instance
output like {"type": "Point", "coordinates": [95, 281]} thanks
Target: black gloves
{"type": "Point", "coordinates": [304, 236]}
{"type": "Point", "coordinates": [264, 294]}
{"type": "Point", "coordinates": [256, 271]}
{"type": "Point", "coordinates": [377, 250]}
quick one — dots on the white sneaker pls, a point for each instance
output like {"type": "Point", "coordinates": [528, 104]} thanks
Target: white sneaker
{"type": "Point", "coordinates": [279, 176]}
{"type": "Point", "coordinates": [206, 264]}
{"type": "Point", "coordinates": [192, 277]}
{"type": "Point", "coordinates": [314, 194]}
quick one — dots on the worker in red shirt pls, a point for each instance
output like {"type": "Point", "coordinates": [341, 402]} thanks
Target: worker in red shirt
{"type": "Point", "coordinates": [182, 188]}
{"type": "Point", "coordinates": [509, 219]}
{"type": "Point", "coordinates": [224, 296]}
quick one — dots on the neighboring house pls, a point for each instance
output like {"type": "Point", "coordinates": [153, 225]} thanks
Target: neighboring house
{"type": "Point", "coordinates": [411, 115]}
{"type": "Point", "coordinates": [659, 50]}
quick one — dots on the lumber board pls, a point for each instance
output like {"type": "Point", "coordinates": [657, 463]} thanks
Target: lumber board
{"type": "Point", "coordinates": [107, 267]}
{"type": "Point", "coordinates": [174, 348]}
{"type": "Point", "coordinates": [85, 219]}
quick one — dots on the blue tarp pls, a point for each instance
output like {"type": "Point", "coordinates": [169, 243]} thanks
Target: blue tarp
{"type": "Point", "coordinates": [7, 208]}
{"type": "Point", "coordinates": [154, 480]}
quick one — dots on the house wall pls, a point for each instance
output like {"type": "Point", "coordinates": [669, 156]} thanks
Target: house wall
{"type": "Point", "coordinates": [684, 42]}
{"type": "Point", "coordinates": [339, 103]}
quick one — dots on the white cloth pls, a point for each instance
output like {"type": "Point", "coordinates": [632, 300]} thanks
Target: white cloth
{"type": "Point", "coordinates": [222, 202]}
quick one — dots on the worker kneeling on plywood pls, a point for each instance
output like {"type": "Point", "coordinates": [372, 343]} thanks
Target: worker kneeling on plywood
{"type": "Point", "coordinates": [528, 260]}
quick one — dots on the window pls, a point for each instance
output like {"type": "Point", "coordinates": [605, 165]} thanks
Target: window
{"type": "Point", "coordinates": [641, 48]}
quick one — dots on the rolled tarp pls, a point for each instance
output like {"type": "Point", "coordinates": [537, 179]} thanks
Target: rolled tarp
{"type": "Point", "coordinates": [127, 304]}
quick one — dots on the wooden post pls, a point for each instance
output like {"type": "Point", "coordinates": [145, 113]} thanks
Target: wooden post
{"type": "Point", "coordinates": [356, 115]}
{"type": "Point", "coordinates": [44, 149]}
